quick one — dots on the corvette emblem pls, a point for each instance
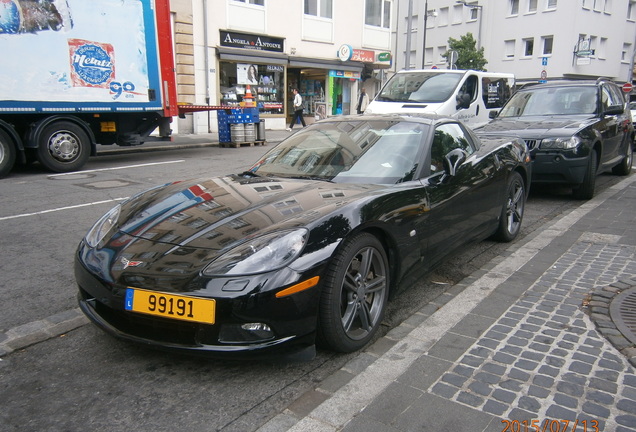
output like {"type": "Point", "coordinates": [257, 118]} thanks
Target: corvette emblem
{"type": "Point", "coordinates": [127, 263]}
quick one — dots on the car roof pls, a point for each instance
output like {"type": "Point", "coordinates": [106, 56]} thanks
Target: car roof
{"type": "Point", "coordinates": [425, 118]}
{"type": "Point", "coordinates": [566, 83]}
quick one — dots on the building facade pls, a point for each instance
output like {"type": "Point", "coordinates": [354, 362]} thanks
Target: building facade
{"type": "Point", "coordinates": [259, 50]}
{"type": "Point", "coordinates": [537, 40]}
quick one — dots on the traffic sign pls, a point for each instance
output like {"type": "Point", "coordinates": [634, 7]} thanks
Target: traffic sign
{"type": "Point", "coordinates": [627, 87]}
{"type": "Point", "coordinates": [544, 61]}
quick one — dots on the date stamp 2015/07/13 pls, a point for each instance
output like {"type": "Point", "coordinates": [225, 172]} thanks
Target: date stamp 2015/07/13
{"type": "Point", "coordinates": [550, 425]}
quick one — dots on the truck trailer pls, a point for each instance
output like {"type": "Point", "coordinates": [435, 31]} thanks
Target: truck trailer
{"type": "Point", "coordinates": [78, 73]}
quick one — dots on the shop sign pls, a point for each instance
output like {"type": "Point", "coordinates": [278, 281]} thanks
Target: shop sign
{"type": "Point", "coordinates": [345, 52]}
{"type": "Point", "coordinates": [344, 74]}
{"type": "Point", "coordinates": [250, 41]}
{"type": "Point", "coordinates": [363, 56]}
{"type": "Point", "coordinates": [384, 57]}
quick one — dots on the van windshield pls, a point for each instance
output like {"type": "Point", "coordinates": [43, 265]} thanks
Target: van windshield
{"type": "Point", "coordinates": [425, 87]}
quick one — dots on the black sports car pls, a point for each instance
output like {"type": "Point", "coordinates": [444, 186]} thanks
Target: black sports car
{"type": "Point", "coordinates": [307, 245]}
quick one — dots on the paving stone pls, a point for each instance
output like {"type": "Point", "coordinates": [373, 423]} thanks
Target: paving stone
{"type": "Point", "coordinates": [528, 403]}
{"type": "Point", "coordinates": [626, 420]}
{"type": "Point", "coordinates": [444, 390]}
{"type": "Point", "coordinates": [543, 381]}
{"type": "Point", "coordinates": [604, 385]}
{"type": "Point", "coordinates": [627, 406]}
{"type": "Point", "coordinates": [538, 392]}
{"type": "Point", "coordinates": [549, 370]}
{"type": "Point", "coordinates": [570, 389]}
{"type": "Point", "coordinates": [596, 410]}
{"type": "Point", "coordinates": [456, 380]}
{"type": "Point", "coordinates": [565, 400]}
{"type": "Point", "coordinates": [580, 367]}
{"type": "Point", "coordinates": [480, 388]}
{"type": "Point", "coordinates": [558, 412]}
{"type": "Point", "coordinates": [518, 374]}
{"type": "Point", "coordinates": [494, 407]}
{"type": "Point", "coordinates": [600, 397]}
{"type": "Point", "coordinates": [470, 399]}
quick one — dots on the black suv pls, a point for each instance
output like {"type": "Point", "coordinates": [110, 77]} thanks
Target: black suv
{"type": "Point", "coordinates": [574, 130]}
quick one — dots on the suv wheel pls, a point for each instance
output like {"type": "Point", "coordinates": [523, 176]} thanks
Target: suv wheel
{"type": "Point", "coordinates": [585, 190]}
{"type": "Point", "coordinates": [625, 167]}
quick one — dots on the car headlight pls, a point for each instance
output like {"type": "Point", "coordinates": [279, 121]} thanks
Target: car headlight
{"type": "Point", "coordinates": [261, 254]}
{"type": "Point", "coordinates": [103, 226]}
{"type": "Point", "coordinates": [561, 143]}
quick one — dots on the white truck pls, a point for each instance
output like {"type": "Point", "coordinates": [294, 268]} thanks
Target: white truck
{"type": "Point", "coordinates": [467, 95]}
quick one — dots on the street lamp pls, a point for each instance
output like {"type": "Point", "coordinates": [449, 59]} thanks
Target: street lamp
{"type": "Point", "coordinates": [427, 13]}
{"type": "Point", "coordinates": [480, 11]}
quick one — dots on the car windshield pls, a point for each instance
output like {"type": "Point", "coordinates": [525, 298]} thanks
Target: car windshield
{"type": "Point", "coordinates": [426, 87]}
{"type": "Point", "coordinates": [357, 151]}
{"type": "Point", "coordinates": [551, 101]}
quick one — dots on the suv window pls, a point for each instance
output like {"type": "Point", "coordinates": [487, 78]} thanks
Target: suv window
{"type": "Point", "coordinates": [551, 101]}
{"type": "Point", "coordinates": [611, 96]}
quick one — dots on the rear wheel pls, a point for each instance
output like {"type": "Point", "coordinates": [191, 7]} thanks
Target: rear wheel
{"type": "Point", "coordinates": [63, 146]}
{"type": "Point", "coordinates": [7, 154]}
{"type": "Point", "coordinates": [355, 294]}
{"type": "Point", "coordinates": [512, 210]}
{"type": "Point", "coordinates": [625, 167]}
{"type": "Point", "coordinates": [586, 189]}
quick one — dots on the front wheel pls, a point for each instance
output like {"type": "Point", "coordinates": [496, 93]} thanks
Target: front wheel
{"type": "Point", "coordinates": [7, 154]}
{"type": "Point", "coordinates": [63, 146]}
{"type": "Point", "coordinates": [512, 209]}
{"type": "Point", "coordinates": [586, 189]}
{"type": "Point", "coordinates": [354, 295]}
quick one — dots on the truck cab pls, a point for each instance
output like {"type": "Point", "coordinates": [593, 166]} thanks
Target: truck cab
{"type": "Point", "coordinates": [467, 95]}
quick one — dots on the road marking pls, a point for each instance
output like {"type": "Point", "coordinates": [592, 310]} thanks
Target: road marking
{"type": "Point", "coordinates": [117, 168]}
{"type": "Point", "coordinates": [61, 209]}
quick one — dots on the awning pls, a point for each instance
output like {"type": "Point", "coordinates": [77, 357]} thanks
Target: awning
{"type": "Point", "coordinates": [252, 56]}
{"type": "Point", "coordinates": [302, 62]}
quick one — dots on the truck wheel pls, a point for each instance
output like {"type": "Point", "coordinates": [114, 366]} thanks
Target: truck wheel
{"type": "Point", "coordinates": [63, 147]}
{"type": "Point", "coordinates": [7, 154]}
{"type": "Point", "coordinates": [585, 190]}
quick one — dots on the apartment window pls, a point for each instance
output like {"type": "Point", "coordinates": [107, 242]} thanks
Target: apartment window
{"type": "Point", "coordinates": [429, 56]}
{"type": "Point", "coordinates": [607, 7]}
{"type": "Point", "coordinates": [547, 44]}
{"type": "Point", "coordinates": [509, 49]}
{"type": "Point", "coordinates": [442, 17]}
{"type": "Point", "coordinates": [378, 13]}
{"type": "Point", "coordinates": [528, 47]}
{"type": "Point", "coordinates": [551, 4]}
{"type": "Point", "coordinates": [252, 2]}
{"type": "Point", "coordinates": [514, 7]}
{"type": "Point", "coordinates": [586, 4]}
{"type": "Point", "coordinates": [473, 13]}
{"type": "Point", "coordinates": [631, 11]}
{"type": "Point", "coordinates": [532, 5]}
{"type": "Point", "coordinates": [441, 50]}
{"type": "Point", "coordinates": [602, 48]}
{"type": "Point", "coordinates": [627, 48]}
{"type": "Point", "coordinates": [319, 8]}
{"type": "Point", "coordinates": [457, 13]}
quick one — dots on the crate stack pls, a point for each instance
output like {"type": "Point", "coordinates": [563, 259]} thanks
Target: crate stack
{"type": "Point", "coordinates": [238, 127]}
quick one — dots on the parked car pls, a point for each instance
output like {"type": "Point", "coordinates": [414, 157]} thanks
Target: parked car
{"type": "Point", "coordinates": [309, 243]}
{"type": "Point", "coordinates": [574, 129]}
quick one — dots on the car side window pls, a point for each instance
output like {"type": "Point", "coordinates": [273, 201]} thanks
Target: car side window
{"type": "Point", "coordinates": [609, 98]}
{"type": "Point", "coordinates": [447, 137]}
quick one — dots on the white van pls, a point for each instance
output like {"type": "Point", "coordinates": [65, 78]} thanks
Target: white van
{"type": "Point", "coordinates": [467, 95]}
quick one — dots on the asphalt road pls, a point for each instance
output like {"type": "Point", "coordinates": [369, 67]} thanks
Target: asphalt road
{"type": "Point", "coordinates": [84, 379]}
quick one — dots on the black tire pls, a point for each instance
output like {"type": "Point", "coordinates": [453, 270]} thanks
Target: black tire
{"type": "Point", "coordinates": [625, 167]}
{"type": "Point", "coordinates": [7, 154]}
{"type": "Point", "coordinates": [63, 146]}
{"type": "Point", "coordinates": [585, 190]}
{"type": "Point", "coordinates": [512, 209]}
{"type": "Point", "coordinates": [355, 293]}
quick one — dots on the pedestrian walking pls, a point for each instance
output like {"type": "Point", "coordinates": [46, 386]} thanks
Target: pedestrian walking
{"type": "Point", "coordinates": [363, 101]}
{"type": "Point", "coordinates": [298, 110]}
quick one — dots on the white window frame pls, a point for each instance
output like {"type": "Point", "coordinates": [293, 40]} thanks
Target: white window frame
{"type": "Point", "coordinates": [321, 7]}
{"type": "Point", "coordinates": [383, 7]}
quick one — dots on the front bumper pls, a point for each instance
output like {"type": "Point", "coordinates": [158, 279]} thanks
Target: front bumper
{"type": "Point", "coordinates": [559, 167]}
{"type": "Point", "coordinates": [292, 320]}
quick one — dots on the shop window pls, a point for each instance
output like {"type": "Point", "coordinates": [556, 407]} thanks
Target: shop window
{"type": "Point", "coordinates": [265, 82]}
{"type": "Point", "coordinates": [378, 13]}
{"type": "Point", "coordinates": [319, 8]}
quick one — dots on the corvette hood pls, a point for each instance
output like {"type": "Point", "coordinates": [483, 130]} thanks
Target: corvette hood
{"type": "Point", "coordinates": [212, 213]}
{"type": "Point", "coordinates": [537, 126]}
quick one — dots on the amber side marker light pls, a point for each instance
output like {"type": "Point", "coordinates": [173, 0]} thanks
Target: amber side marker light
{"type": "Point", "coordinates": [309, 283]}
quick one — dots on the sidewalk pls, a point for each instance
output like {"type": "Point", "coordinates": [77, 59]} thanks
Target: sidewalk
{"type": "Point", "coordinates": [536, 338]}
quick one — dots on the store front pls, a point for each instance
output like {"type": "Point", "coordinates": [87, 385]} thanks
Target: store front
{"type": "Point", "coordinates": [252, 69]}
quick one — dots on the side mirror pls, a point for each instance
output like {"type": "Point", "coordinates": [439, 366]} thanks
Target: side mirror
{"type": "Point", "coordinates": [453, 160]}
{"type": "Point", "coordinates": [492, 114]}
{"type": "Point", "coordinates": [614, 110]}
{"type": "Point", "coordinates": [463, 100]}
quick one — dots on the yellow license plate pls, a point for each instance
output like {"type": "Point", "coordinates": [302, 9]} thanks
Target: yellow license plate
{"type": "Point", "coordinates": [170, 306]}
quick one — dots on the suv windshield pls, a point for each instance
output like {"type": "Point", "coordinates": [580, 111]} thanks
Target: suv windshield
{"type": "Point", "coordinates": [382, 152]}
{"type": "Point", "coordinates": [428, 87]}
{"type": "Point", "coordinates": [551, 101]}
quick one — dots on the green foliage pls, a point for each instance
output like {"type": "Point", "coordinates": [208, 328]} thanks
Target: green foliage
{"type": "Point", "coordinates": [468, 56]}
